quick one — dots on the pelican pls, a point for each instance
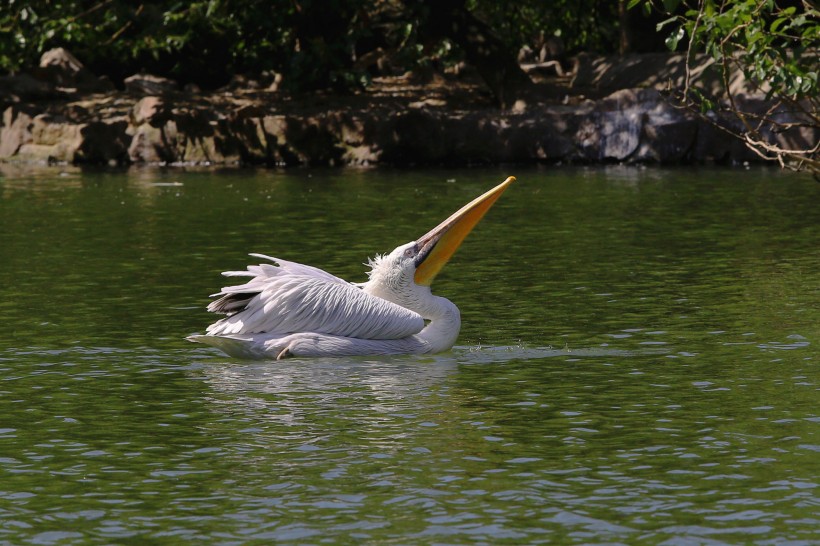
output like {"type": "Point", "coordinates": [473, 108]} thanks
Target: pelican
{"type": "Point", "coordinates": [288, 309]}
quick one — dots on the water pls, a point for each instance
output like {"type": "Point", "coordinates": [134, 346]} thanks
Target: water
{"type": "Point", "coordinates": [638, 362]}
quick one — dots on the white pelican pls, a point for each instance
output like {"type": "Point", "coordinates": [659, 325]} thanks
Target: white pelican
{"type": "Point", "coordinates": [290, 309]}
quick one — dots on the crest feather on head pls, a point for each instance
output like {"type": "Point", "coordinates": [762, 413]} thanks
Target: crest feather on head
{"type": "Point", "coordinates": [374, 263]}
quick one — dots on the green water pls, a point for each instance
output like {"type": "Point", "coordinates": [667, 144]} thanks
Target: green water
{"type": "Point", "coordinates": [638, 363]}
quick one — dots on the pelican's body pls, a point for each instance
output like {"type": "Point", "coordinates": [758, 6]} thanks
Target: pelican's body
{"type": "Point", "coordinates": [290, 309]}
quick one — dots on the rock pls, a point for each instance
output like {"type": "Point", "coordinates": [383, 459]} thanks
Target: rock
{"type": "Point", "coordinates": [636, 126]}
{"type": "Point", "coordinates": [427, 103]}
{"type": "Point", "coordinates": [240, 83]}
{"type": "Point", "coordinates": [669, 133]}
{"type": "Point", "coordinates": [149, 140]}
{"type": "Point", "coordinates": [189, 137]}
{"type": "Point", "coordinates": [605, 74]}
{"type": "Point", "coordinates": [275, 82]}
{"type": "Point", "coordinates": [667, 142]}
{"type": "Point", "coordinates": [249, 111]}
{"type": "Point", "coordinates": [610, 135]}
{"type": "Point", "coordinates": [151, 109]}
{"type": "Point", "coordinates": [479, 139]}
{"type": "Point", "coordinates": [147, 146]}
{"type": "Point", "coordinates": [250, 140]}
{"type": "Point", "coordinates": [799, 137]}
{"type": "Point", "coordinates": [61, 59]}
{"type": "Point", "coordinates": [628, 126]}
{"type": "Point", "coordinates": [714, 144]}
{"type": "Point", "coordinates": [27, 136]}
{"type": "Point", "coordinates": [543, 138]}
{"type": "Point", "coordinates": [612, 131]}
{"type": "Point", "coordinates": [519, 107]}
{"type": "Point", "coordinates": [15, 131]}
{"type": "Point", "coordinates": [302, 140]}
{"type": "Point", "coordinates": [198, 139]}
{"type": "Point", "coordinates": [24, 87]}
{"type": "Point", "coordinates": [103, 142]}
{"type": "Point", "coordinates": [356, 131]}
{"type": "Point", "coordinates": [403, 124]}
{"type": "Point", "coordinates": [413, 135]}
{"type": "Point", "coordinates": [61, 69]}
{"type": "Point", "coordinates": [274, 129]}
{"type": "Point", "coordinates": [53, 139]}
{"type": "Point", "coordinates": [147, 84]}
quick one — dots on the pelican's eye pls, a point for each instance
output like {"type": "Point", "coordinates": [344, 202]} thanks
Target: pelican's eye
{"type": "Point", "coordinates": [411, 252]}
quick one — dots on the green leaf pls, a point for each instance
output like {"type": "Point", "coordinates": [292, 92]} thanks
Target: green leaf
{"type": "Point", "coordinates": [777, 23]}
{"type": "Point", "coordinates": [663, 23]}
{"type": "Point", "coordinates": [673, 39]}
{"type": "Point", "coordinates": [213, 5]}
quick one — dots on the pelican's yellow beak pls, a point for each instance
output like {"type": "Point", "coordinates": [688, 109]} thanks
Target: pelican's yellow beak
{"type": "Point", "coordinates": [436, 248]}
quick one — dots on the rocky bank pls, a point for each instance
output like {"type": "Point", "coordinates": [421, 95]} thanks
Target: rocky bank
{"type": "Point", "coordinates": [606, 110]}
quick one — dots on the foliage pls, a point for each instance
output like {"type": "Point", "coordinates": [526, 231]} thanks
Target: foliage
{"type": "Point", "coordinates": [203, 41]}
{"type": "Point", "coordinates": [776, 45]}
{"type": "Point", "coordinates": [582, 25]}
{"type": "Point", "coordinates": [314, 43]}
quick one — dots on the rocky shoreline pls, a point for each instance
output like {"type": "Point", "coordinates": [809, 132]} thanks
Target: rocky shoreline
{"type": "Point", "coordinates": [607, 112]}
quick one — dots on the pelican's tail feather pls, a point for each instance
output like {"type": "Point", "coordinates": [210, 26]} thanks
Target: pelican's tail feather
{"type": "Point", "coordinates": [237, 346]}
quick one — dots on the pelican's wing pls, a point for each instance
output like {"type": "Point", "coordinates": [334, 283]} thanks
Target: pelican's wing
{"type": "Point", "coordinates": [288, 297]}
{"type": "Point", "coordinates": [294, 268]}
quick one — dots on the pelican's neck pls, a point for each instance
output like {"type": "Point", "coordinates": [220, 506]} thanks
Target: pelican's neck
{"type": "Point", "coordinates": [444, 319]}
{"type": "Point", "coordinates": [445, 322]}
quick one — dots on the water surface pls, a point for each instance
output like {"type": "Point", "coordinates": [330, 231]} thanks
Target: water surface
{"type": "Point", "coordinates": [638, 362]}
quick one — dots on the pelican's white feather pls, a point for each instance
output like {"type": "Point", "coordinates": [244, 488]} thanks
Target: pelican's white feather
{"type": "Point", "coordinates": [290, 297]}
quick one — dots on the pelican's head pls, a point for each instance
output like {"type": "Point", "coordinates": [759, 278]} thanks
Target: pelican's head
{"type": "Point", "coordinates": [417, 263]}
{"type": "Point", "coordinates": [393, 272]}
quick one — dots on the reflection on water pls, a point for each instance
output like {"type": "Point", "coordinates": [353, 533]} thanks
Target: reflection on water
{"type": "Point", "coordinates": [638, 363]}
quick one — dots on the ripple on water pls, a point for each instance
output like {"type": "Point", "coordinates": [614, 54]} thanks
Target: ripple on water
{"type": "Point", "coordinates": [677, 403]}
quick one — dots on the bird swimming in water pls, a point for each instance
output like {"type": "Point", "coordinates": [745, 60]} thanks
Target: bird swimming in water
{"type": "Point", "coordinates": [288, 309]}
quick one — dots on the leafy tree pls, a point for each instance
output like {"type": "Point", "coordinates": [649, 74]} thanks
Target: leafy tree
{"type": "Point", "coordinates": [337, 44]}
{"type": "Point", "coordinates": [775, 44]}
{"type": "Point", "coordinates": [203, 41]}
{"type": "Point", "coordinates": [314, 43]}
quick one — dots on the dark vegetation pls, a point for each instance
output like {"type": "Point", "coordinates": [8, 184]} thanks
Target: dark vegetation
{"type": "Point", "coordinates": [313, 43]}
{"type": "Point", "coordinates": [341, 45]}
